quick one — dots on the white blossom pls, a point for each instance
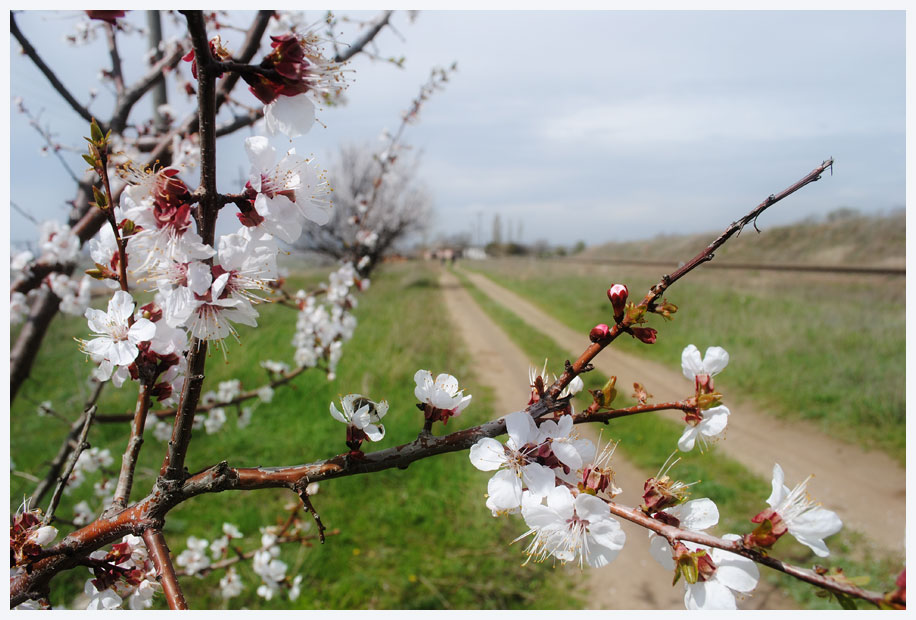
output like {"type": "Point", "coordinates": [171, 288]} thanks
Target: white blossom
{"type": "Point", "coordinates": [805, 519]}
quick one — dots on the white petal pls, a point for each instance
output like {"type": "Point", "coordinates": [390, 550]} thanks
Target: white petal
{"type": "Point", "coordinates": [714, 421]}
{"type": "Point", "coordinates": [688, 438]}
{"type": "Point", "coordinates": [293, 116]}
{"type": "Point", "coordinates": [697, 514]}
{"type": "Point", "coordinates": [120, 307]}
{"type": "Point", "coordinates": [487, 454]}
{"type": "Point", "coordinates": [660, 550]}
{"type": "Point", "coordinates": [141, 331]}
{"type": "Point", "coordinates": [734, 571]}
{"type": "Point", "coordinates": [374, 432]}
{"type": "Point", "coordinates": [607, 539]}
{"type": "Point", "coordinates": [505, 490]}
{"type": "Point", "coordinates": [540, 480]}
{"type": "Point", "coordinates": [716, 360]}
{"type": "Point", "coordinates": [780, 490]}
{"type": "Point", "coordinates": [337, 415]}
{"type": "Point", "coordinates": [122, 353]}
{"type": "Point", "coordinates": [360, 417]}
{"type": "Point", "coordinates": [591, 508]}
{"type": "Point", "coordinates": [709, 595]}
{"type": "Point", "coordinates": [447, 383]}
{"type": "Point", "coordinates": [567, 454]}
{"type": "Point", "coordinates": [813, 526]}
{"type": "Point", "coordinates": [261, 155]}
{"type": "Point", "coordinates": [691, 363]}
{"type": "Point", "coordinates": [521, 428]}
{"type": "Point", "coordinates": [560, 499]}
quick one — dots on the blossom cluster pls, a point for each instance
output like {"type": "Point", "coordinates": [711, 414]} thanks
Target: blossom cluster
{"type": "Point", "coordinates": [58, 248]}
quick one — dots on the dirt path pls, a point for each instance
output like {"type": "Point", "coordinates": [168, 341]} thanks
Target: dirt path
{"type": "Point", "coordinates": [634, 580]}
{"type": "Point", "coordinates": [867, 489]}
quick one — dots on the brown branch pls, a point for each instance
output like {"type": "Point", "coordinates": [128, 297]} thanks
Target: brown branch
{"type": "Point", "coordinates": [81, 445]}
{"type": "Point", "coordinates": [46, 70]}
{"type": "Point", "coordinates": [117, 76]}
{"type": "Point", "coordinates": [672, 533]}
{"type": "Point", "coordinates": [133, 94]}
{"type": "Point", "coordinates": [667, 280]}
{"type": "Point", "coordinates": [159, 553]}
{"type": "Point", "coordinates": [131, 453]}
{"type": "Point", "coordinates": [66, 447]}
{"type": "Point", "coordinates": [205, 217]}
{"type": "Point", "coordinates": [307, 502]}
{"type": "Point", "coordinates": [364, 39]}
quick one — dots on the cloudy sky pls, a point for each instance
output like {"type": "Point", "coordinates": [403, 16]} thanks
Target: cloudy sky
{"type": "Point", "coordinates": [578, 125]}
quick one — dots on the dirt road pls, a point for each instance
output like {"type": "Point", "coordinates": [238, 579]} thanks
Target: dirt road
{"type": "Point", "coordinates": [634, 580]}
{"type": "Point", "coordinates": [867, 489]}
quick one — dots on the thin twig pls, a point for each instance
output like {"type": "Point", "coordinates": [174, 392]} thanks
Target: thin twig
{"type": "Point", "coordinates": [46, 70]}
{"type": "Point", "coordinates": [656, 291]}
{"type": "Point", "coordinates": [307, 502]}
{"type": "Point", "coordinates": [364, 39]}
{"type": "Point", "coordinates": [116, 74]}
{"type": "Point", "coordinates": [66, 447]}
{"type": "Point", "coordinates": [81, 445]}
{"type": "Point", "coordinates": [159, 553]}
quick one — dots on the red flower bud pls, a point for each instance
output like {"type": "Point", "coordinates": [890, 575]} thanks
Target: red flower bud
{"type": "Point", "coordinates": [646, 334]}
{"type": "Point", "coordinates": [618, 294]}
{"type": "Point", "coordinates": [599, 332]}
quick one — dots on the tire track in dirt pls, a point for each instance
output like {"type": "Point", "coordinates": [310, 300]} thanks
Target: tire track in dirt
{"type": "Point", "coordinates": [867, 489]}
{"type": "Point", "coordinates": [634, 580]}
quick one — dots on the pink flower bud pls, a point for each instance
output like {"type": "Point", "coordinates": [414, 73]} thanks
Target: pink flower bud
{"type": "Point", "coordinates": [618, 294]}
{"type": "Point", "coordinates": [599, 332]}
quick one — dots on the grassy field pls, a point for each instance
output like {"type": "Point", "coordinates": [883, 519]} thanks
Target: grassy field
{"type": "Point", "coordinates": [648, 440]}
{"type": "Point", "coordinates": [419, 538]}
{"type": "Point", "coordinates": [827, 348]}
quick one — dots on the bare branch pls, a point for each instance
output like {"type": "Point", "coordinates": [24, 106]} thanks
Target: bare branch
{"type": "Point", "coordinates": [81, 445]}
{"type": "Point", "coordinates": [117, 75]}
{"type": "Point", "coordinates": [365, 38]}
{"type": "Point", "coordinates": [46, 70]}
{"type": "Point", "coordinates": [667, 280]}
{"type": "Point", "coordinates": [66, 447]}
{"type": "Point", "coordinates": [132, 452]}
{"type": "Point", "coordinates": [159, 553]}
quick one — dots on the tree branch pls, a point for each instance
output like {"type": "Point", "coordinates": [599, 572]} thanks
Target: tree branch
{"type": "Point", "coordinates": [131, 453]}
{"type": "Point", "coordinates": [81, 445]}
{"type": "Point", "coordinates": [66, 447]}
{"type": "Point", "coordinates": [671, 532]}
{"type": "Point", "coordinates": [364, 39]}
{"type": "Point", "coordinates": [48, 73]}
{"type": "Point", "coordinates": [656, 291]}
{"type": "Point", "coordinates": [159, 554]}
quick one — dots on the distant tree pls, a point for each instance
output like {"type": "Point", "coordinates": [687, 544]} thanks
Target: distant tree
{"type": "Point", "coordinates": [400, 207]}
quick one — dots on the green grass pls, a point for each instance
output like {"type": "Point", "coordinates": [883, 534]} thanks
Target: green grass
{"type": "Point", "coordinates": [420, 538]}
{"type": "Point", "coordinates": [648, 440]}
{"type": "Point", "coordinates": [829, 349]}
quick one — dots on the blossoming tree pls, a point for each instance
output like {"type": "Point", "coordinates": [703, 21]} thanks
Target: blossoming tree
{"type": "Point", "coordinates": [147, 229]}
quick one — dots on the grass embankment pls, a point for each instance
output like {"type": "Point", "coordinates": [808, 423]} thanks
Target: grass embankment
{"type": "Point", "coordinates": [842, 238]}
{"type": "Point", "coordinates": [648, 440]}
{"type": "Point", "coordinates": [829, 349]}
{"type": "Point", "coordinates": [419, 538]}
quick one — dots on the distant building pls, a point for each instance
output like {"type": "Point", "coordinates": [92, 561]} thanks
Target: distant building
{"type": "Point", "coordinates": [474, 253]}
